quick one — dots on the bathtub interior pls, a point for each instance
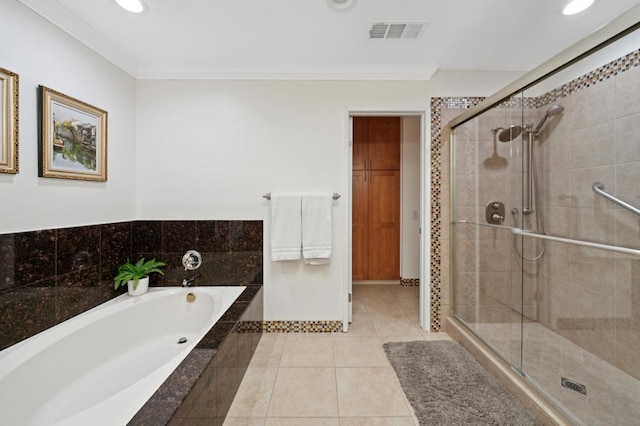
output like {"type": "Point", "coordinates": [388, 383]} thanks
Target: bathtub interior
{"type": "Point", "coordinates": [82, 364]}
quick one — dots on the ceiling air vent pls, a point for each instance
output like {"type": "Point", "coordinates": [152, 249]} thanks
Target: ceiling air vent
{"type": "Point", "coordinates": [381, 30]}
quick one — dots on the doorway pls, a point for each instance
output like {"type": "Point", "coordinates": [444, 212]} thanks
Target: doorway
{"type": "Point", "coordinates": [395, 251]}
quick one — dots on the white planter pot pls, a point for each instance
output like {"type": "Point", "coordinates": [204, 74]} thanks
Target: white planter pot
{"type": "Point", "coordinates": [142, 288]}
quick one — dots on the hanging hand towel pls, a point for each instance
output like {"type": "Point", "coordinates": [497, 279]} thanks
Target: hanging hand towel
{"type": "Point", "coordinates": [285, 227]}
{"type": "Point", "coordinates": [316, 228]}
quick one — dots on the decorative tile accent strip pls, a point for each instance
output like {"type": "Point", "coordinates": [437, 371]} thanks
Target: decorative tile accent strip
{"type": "Point", "coordinates": [437, 105]}
{"type": "Point", "coordinates": [302, 326]}
{"type": "Point", "coordinates": [410, 282]}
{"type": "Point", "coordinates": [249, 327]}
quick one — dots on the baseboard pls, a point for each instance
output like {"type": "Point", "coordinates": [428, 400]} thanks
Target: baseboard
{"type": "Point", "coordinates": [538, 404]}
{"type": "Point", "coordinates": [302, 326]}
{"type": "Point", "coordinates": [376, 282]}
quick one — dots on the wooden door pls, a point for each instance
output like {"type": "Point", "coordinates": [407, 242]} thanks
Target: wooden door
{"type": "Point", "coordinates": [360, 135]}
{"type": "Point", "coordinates": [384, 143]}
{"type": "Point", "coordinates": [384, 225]}
{"type": "Point", "coordinates": [359, 234]}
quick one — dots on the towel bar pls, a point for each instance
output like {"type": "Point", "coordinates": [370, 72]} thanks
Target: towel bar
{"type": "Point", "coordinates": [268, 196]}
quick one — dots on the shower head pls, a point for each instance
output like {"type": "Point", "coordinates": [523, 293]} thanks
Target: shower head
{"type": "Point", "coordinates": [508, 134]}
{"type": "Point", "coordinates": [553, 110]}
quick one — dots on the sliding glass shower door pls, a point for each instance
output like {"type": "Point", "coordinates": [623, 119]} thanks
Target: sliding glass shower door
{"type": "Point", "coordinates": [546, 233]}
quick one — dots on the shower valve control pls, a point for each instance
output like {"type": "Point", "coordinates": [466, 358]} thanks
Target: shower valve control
{"type": "Point", "coordinates": [494, 213]}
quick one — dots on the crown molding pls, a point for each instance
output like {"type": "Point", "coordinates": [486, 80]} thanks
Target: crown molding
{"type": "Point", "coordinates": [412, 72]}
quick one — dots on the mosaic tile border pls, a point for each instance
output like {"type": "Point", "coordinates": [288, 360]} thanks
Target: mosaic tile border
{"type": "Point", "coordinates": [590, 79]}
{"type": "Point", "coordinates": [437, 105]}
{"type": "Point", "coordinates": [410, 282]}
{"type": "Point", "coordinates": [302, 326]}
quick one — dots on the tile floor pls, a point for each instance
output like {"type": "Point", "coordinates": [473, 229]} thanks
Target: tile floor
{"type": "Point", "coordinates": [334, 379]}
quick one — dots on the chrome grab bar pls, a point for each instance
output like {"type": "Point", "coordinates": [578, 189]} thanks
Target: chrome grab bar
{"type": "Point", "coordinates": [598, 188]}
{"type": "Point", "coordinates": [525, 233]}
{"type": "Point", "coordinates": [624, 250]}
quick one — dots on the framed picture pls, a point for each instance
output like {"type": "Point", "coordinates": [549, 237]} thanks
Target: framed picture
{"type": "Point", "coordinates": [9, 91]}
{"type": "Point", "coordinates": [73, 138]}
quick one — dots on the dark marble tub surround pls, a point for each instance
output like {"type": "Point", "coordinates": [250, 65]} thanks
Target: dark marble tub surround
{"type": "Point", "coordinates": [201, 390]}
{"type": "Point", "coordinates": [48, 276]}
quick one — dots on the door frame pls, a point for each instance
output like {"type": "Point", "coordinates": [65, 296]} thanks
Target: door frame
{"type": "Point", "coordinates": [425, 208]}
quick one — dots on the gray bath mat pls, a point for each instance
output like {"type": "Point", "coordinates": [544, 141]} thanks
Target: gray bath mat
{"type": "Point", "coordinates": [446, 386]}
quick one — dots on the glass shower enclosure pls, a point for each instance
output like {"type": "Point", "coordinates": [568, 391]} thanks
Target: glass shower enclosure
{"type": "Point", "coordinates": [546, 232]}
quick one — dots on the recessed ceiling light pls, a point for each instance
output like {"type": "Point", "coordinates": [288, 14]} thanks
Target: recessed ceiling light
{"type": "Point", "coordinates": [576, 6]}
{"type": "Point", "coordinates": [341, 4]}
{"type": "Point", "coordinates": [134, 6]}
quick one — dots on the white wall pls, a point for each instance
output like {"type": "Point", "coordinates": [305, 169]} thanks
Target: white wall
{"type": "Point", "coordinates": [41, 54]}
{"type": "Point", "coordinates": [410, 181]}
{"type": "Point", "coordinates": [211, 149]}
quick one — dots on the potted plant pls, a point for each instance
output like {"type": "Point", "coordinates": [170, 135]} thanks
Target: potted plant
{"type": "Point", "coordinates": [137, 275]}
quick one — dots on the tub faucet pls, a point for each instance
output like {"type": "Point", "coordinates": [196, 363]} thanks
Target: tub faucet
{"type": "Point", "coordinates": [187, 282]}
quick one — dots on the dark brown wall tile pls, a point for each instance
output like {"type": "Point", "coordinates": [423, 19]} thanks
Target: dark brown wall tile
{"type": "Point", "coordinates": [246, 235]}
{"type": "Point", "coordinates": [116, 242]}
{"type": "Point", "coordinates": [213, 236]}
{"type": "Point", "coordinates": [77, 248]}
{"type": "Point", "coordinates": [178, 236]}
{"type": "Point", "coordinates": [36, 253]}
{"type": "Point", "coordinates": [147, 236]}
{"type": "Point", "coordinates": [7, 261]}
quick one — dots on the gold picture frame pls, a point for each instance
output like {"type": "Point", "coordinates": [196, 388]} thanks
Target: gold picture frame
{"type": "Point", "coordinates": [73, 138]}
{"type": "Point", "coordinates": [9, 93]}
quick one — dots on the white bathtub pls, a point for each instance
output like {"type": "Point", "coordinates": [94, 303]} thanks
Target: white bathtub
{"type": "Point", "coordinates": [100, 367]}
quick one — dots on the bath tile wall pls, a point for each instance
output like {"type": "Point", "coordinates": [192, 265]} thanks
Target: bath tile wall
{"type": "Point", "coordinates": [48, 276]}
{"type": "Point", "coordinates": [588, 296]}
{"type": "Point", "coordinates": [592, 297]}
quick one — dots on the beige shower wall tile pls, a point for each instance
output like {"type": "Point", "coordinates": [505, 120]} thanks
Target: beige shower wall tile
{"type": "Point", "coordinates": [628, 183]}
{"type": "Point", "coordinates": [582, 181]}
{"type": "Point", "coordinates": [628, 139]}
{"type": "Point", "coordinates": [593, 146]}
{"type": "Point", "coordinates": [627, 226]}
{"type": "Point", "coordinates": [581, 108]}
{"type": "Point", "coordinates": [491, 187]}
{"type": "Point", "coordinates": [555, 189]}
{"type": "Point", "coordinates": [592, 268]}
{"type": "Point", "coordinates": [553, 152]}
{"type": "Point", "coordinates": [595, 225]}
{"type": "Point", "coordinates": [627, 85]}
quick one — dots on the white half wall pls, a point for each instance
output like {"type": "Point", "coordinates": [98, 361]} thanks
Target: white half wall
{"type": "Point", "coordinates": [410, 193]}
{"type": "Point", "coordinates": [41, 54]}
{"type": "Point", "coordinates": [210, 149]}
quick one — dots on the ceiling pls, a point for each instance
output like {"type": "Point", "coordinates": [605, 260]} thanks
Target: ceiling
{"type": "Point", "coordinates": [313, 39]}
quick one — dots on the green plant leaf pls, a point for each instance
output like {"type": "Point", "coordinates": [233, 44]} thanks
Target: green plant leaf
{"type": "Point", "coordinates": [129, 271]}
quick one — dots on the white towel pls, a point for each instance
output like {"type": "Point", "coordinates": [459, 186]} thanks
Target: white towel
{"type": "Point", "coordinates": [285, 227]}
{"type": "Point", "coordinates": [316, 228]}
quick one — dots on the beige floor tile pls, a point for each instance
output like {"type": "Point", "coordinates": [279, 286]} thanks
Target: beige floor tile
{"type": "Point", "coordinates": [396, 325]}
{"type": "Point", "coordinates": [269, 350]}
{"type": "Point", "coordinates": [359, 351]}
{"type": "Point", "coordinates": [304, 392]}
{"type": "Point", "coordinates": [370, 391]}
{"type": "Point", "coordinates": [432, 336]}
{"type": "Point", "coordinates": [308, 350]}
{"type": "Point", "coordinates": [303, 421]}
{"type": "Point", "coordinates": [254, 394]}
{"type": "Point", "coordinates": [244, 421]}
{"type": "Point", "coordinates": [377, 421]}
{"type": "Point", "coordinates": [387, 339]}
{"type": "Point", "coordinates": [383, 306]}
{"type": "Point", "coordinates": [362, 326]}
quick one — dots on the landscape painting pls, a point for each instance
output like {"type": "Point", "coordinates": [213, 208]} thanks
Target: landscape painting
{"type": "Point", "coordinates": [73, 138]}
{"type": "Point", "coordinates": [8, 121]}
